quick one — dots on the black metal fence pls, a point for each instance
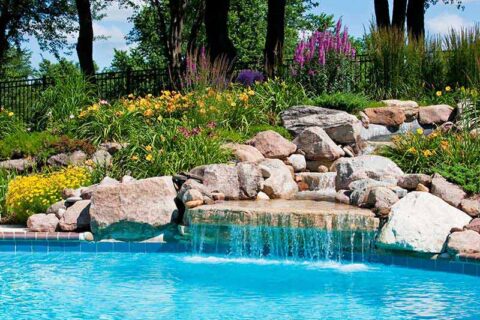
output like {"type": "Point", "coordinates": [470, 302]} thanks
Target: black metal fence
{"type": "Point", "coordinates": [20, 95]}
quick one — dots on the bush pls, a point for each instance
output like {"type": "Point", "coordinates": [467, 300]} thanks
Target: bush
{"type": "Point", "coordinates": [275, 96]}
{"type": "Point", "coordinates": [454, 155]}
{"type": "Point", "coordinates": [32, 194]}
{"type": "Point", "coordinates": [9, 123]}
{"type": "Point", "coordinates": [24, 144]}
{"type": "Point", "coordinates": [63, 101]}
{"type": "Point", "coordinates": [348, 102]}
{"type": "Point", "coordinates": [5, 178]}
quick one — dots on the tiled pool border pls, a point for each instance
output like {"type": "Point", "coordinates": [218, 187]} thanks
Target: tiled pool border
{"type": "Point", "coordinates": [463, 266]}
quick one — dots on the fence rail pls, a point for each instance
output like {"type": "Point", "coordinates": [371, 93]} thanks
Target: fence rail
{"type": "Point", "coordinates": [20, 95]}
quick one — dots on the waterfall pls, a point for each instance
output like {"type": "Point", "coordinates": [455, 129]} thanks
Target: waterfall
{"type": "Point", "coordinates": [281, 242]}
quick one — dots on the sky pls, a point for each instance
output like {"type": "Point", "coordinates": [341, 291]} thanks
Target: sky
{"type": "Point", "coordinates": [356, 14]}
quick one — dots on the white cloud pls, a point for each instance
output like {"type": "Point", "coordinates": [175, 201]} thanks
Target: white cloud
{"type": "Point", "coordinates": [112, 33]}
{"type": "Point", "coordinates": [443, 23]}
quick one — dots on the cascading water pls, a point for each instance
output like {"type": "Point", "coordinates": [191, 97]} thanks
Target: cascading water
{"type": "Point", "coordinates": [281, 242]}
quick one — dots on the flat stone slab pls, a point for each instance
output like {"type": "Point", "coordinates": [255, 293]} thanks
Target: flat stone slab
{"type": "Point", "coordinates": [284, 213]}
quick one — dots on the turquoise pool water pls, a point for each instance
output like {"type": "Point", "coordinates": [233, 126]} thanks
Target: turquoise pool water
{"type": "Point", "coordinates": [185, 286]}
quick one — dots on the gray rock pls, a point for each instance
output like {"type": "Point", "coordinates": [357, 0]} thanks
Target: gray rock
{"type": "Point", "coordinates": [60, 160]}
{"type": "Point", "coordinates": [280, 184]}
{"type": "Point", "coordinates": [449, 192]}
{"type": "Point", "coordinates": [250, 180]}
{"type": "Point", "coordinates": [467, 241]}
{"type": "Point", "coordinates": [243, 152]}
{"type": "Point", "coordinates": [42, 223]}
{"type": "Point", "coordinates": [222, 178]}
{"type": "Point", "coordinates": [471, 206]}
{"type": "Point", "coordinates": [381, 198]}
{"type": "Point", "coordinates": [298, 162]}
{"type": "Point", "coordinates": [77, 217]}
{"type": "Point", "coordinates": [18, 165]}
{"type": "Point", "coordinates": [77, 158]}
{"type": "Point", "coordinates": [86, 193]}
{"type": "Point", "coordinates": [420, 222]}
{"type": "Point", "coordinates": [127, 179]}
{"type": "Point", "coordinates": [102, 158]}
{"type": "Point", "coordinates": [192, 195]}
{"type": "Point", "coordinates": [360, 190]}
{"type": "Point", "coordinates": [411, 181]}
{"type": "Point", "coordinates": [272, 145]}
{"type": "Point", "coordinates": [342, 127]}
{"type": "Point", "coordinates": [437, 114]}
{"type": "Point", "coordinates": [375, 167]}
{"type": "Point", "coordinates": [112, 147]}
{"type": "Point", "coordinates": [317, 145]}
{"type": "Point", "coordinates": [56, 207]}
{"type": "Point", "coordinates": [317, 181]}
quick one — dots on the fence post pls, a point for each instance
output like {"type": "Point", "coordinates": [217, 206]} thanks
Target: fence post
{"type": "Point", "coordinates": [128, 80]}
{"type": "Point", "coordinates": [44, 82]}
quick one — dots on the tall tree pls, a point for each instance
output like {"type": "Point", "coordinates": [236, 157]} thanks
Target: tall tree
{"type": "Point", "coordinates": [416, 18]}
{"type": "Point", "coordinates": [85, 37]}
{"type": "Point", "coordinates": [216, 27]}
{"type": "Point", "coordinates": [382, 13]}
{"type": "Point", "coordinates": [49, 21]}
{"type": "Point", "coordinates": [275, 35]}
{"type": "Point", "coordinates": [399, 14]}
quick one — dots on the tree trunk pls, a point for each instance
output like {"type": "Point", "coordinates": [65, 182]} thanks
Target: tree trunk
{"type": "Point", "coordinates": [196, 26]}
{"type": "Point", "coordinates": [85, 38]}
{"type": "Point", "coordinates": [4, 19]}
{"type": "Point", "coordinates": [416, 18]}
{"type": "Point", "coordinates": [399, 14]}
{"type": "Point", "coordinates": [216, 27]}
{"type": "Point", "coordinates": [275, 35]}
{"type": "Point", "coordinates": [177, 18]}
{"type": "Point", "coordinates": [382, 13]}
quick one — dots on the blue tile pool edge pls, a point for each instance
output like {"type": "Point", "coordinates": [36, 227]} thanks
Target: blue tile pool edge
{"type": "Point", "coordinates": [471, 268]}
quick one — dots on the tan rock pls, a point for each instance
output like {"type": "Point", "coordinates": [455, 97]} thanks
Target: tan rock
{"type": "Point", "coordinates": [471, 206]}
{"type": "Point", "coordinates": [243, 152]}
{"type": "Point", "coordinates": [421, 188]}
{"type": "Point", "coordinates": [437, 114]}
{"type": "Point", "coordinates": [194, 203]}
{"type": "Point", "coordinates": [42, 223]}
{"type": "Point", "coordinates": [387, 116]}
{"type": "Point", "coordinates": [272, 145]}
{"type": "Point", "coordinates": [449, 192]}
{"type": "Point", "coordinates": [77, 217]}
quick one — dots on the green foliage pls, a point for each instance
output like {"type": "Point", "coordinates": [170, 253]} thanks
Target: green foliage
{"type": "Point", "coordinates": [23, 144]}
{"type": "Point", "coordinates": [9, 123]}
{"type": "Point", "coordinates": [5, 178]}
{"type": "Point", "coordinates": [62, 101]}
{"type": "Point", "coordinates": [452, 154]}
{"type": "Point", "coordinates": [349, 102]}
{"type": "Point", "coordinates": [275, 95]}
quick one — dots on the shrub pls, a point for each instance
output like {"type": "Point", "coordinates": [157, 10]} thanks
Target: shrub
{"type": "Point", "coordinates": [5, 178]}
{"type": "Point", "coordinates": [32, 194]}
{"type": "Point", "coordinates": [9, 123]}
{"type": "Point", "coordinates": [452, 154]}
{"type": "Point", "coordinates": [323, 63]}
{"type": "Point", "coordinates": [24, 144]}
{"type": "Point", "coordinates": [348, 102]}
{"type": "Point", "coordinates": [62, 101]}
{"type": "Point", "coordinates": [65, 144]}
{"type": "Point", "coordinates": [274, 96]}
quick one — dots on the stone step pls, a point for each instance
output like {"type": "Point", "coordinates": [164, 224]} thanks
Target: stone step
{"type": "Point", "coordinates": [284, 213]}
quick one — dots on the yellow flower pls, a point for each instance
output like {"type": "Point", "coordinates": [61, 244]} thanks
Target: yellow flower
{"type": "Point", "coordinates": [149, 148]}
{"type": "Point", "coordinates": [233, 104]}
{"type": "Point", "coordinates": [148, 113]}
{"type": "Point", "coordinates": [412, 150]}
{"type": "Point", "coordinates": [251, 92]}
{"type": "Point", "coordinates": [448, 88]}
{"type": "Point", "coordinates": [427, 153]}
{"type": "Point", "coordinates": [439, 93]}
{"type": "Point", "coordinates": [89, 163]}
{"type": "Point", "coordinates": [11, 114]}
{"type": "Point", "coordinates": [419, 131]}
{"type": "Point", "coordinates": [444, 144]}
{"type": "Point", "coordinates": [149, 157]}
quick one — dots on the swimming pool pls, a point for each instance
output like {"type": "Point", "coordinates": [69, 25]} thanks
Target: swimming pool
{"type": "Point", "coordinates": [188, 286]}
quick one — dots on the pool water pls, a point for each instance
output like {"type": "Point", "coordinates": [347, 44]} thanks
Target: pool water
{"type": "Point", "coordinates": [185, 286]}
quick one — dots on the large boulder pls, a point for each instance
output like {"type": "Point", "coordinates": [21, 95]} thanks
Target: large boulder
{"type": "Point", "coordinates": [272, 145]}
{"type": "Point", "coordinates": [410, 108]}
{"type": "Point", "coordinates": [467, 241]}
{"type": "Point", "coordinates": [77, 217]}
{"type": "Point", "coordinates": [279, 183]}
{"type": "Point", "coordinates": [42, 223]}
{"type": "Point", "coordinates": [221, 178]}
{"type": "Point", "coordinates": [374, 167]}
{"type": "Point", "coordinates": [387, 116]}
{"type": "Point", "coordinates": [420, 222]}
{"type": "Point", "coordinates": [474, 225]}
{"type": "Point", "coordinates": [317, 145]}
{"type": "Point", "coordinates": [437, 114]}
{"type": "Point", "coordinates": [449, 192]}
{"type": "Point", "coordinates": [360, 190]}
{"type": "Point", "coordinates": [341, 126]}
{"type": "Point", "coordinates": [382, 199]}
{"type": "Point", "coordinates": [243, 152]}
{"type": "Point", "coordinates": [250, 180]}
{"type": "Point", "coordinates": [133, 211]}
